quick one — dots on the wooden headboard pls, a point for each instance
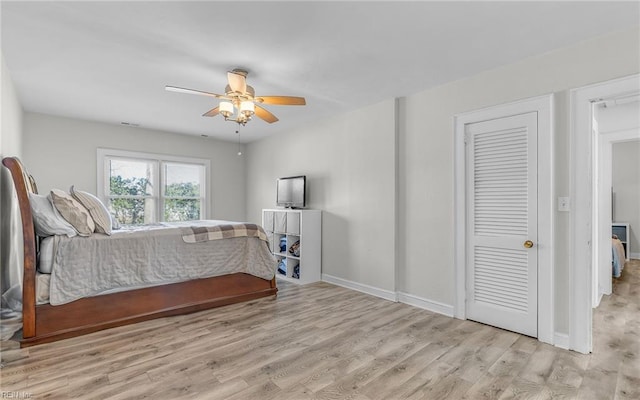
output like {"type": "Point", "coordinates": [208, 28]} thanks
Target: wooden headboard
{"type": "Point", "coordinates": [24, 185]}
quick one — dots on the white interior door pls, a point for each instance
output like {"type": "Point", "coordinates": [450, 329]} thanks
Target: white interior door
{"type": "Point", "coordinates": [501, 192]}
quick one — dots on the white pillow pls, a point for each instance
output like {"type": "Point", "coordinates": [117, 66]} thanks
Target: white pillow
{"type": "Point", "coordinates": [73, 212]}
{"type": "Point", "coordinates": [46, 255]}
{"type": "Point", "coordinates": [46, 219]}
{"type": "Point", "coordinates": [98, 211]}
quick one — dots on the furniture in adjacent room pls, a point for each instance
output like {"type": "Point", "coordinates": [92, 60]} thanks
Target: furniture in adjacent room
{"type": "Point", "coordinates": [621, 230]}
{"type": "Point", "coordinates": [295, 236]}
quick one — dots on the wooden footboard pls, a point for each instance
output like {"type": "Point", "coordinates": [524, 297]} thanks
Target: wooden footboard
{"type": "Point", "coordinates": [92, 314]}
{"type": "Point", "coordinates": [46, 323]}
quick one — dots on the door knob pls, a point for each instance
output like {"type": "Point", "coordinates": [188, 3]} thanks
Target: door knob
{"type": "Point", "coordinates": [528, 244]}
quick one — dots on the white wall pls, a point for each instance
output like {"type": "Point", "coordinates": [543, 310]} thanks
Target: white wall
{"type": "Point", "coordinates": [10, 145]}
{"type": "Point", "coordinates": [424, 157]}
{"type": "Point", "coordinates": [349, 161]}
{"type": "Point", "coordinates": [60, 152]}
{"type": "Point", "coordinates": [626, 186]}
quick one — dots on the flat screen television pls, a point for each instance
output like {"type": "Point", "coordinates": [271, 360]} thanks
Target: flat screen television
{"type": "Point", "coordinates": [290, 192]}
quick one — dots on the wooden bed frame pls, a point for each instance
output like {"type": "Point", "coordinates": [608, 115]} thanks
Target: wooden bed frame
{"type": "Point", "coordinates": [47, 323]}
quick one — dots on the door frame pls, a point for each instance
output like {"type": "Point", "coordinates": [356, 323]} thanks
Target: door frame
{"type": "Point", "coordinates": [543, 105]}
{"type": "Point", "coordinates": [603, 284]}
{"type": "Point", "coordinates": [581, 219]}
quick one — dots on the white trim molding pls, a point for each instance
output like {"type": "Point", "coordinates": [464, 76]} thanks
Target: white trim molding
{"type": "Point", "coordinates": [561, 340]}
{"type": "Point", "coordinates": [405, 298]}
{"type": "Point", "coordinates": [581, 191]}
{"type": "Point", "coordinates": [426, 304]}
{"type": "Point", "coordinates": [360, 287]}
{"type": "Point", "coordinates": [603, 156]}
{"type": "Point", "coordinates": [543, 106]}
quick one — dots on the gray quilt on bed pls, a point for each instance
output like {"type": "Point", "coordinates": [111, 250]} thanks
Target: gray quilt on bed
{"type": "Point", "coordinates": [147, 256]}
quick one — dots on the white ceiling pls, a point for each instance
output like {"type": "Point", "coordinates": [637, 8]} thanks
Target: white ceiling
{"type": "Point", "coordinates": [109, 61]}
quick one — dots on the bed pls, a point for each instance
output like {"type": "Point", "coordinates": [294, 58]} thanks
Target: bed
{"type": "Point", "coordinates": [99, 308]}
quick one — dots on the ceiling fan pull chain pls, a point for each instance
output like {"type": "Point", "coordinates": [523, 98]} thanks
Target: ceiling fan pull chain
{"type": "Point", "coordinates": [239, 146]}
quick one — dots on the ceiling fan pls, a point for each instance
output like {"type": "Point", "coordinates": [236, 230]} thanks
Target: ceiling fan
{"type": "Point", "coordinates": [241, 97]}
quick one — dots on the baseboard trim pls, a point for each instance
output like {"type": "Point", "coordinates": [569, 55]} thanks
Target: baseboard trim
{"type": "Point", "coordinates": [360, 287]}
{"type": "Point", "coordinates": [635, 256]}
{"type": "Point", "coordinates": [597, 301]}
{"type": "Point", "coordinates": [426, 304]}
{"type": "Point", "coordinates": [561, 340]}
{"type": "Point", "coordinates": [406, 298]}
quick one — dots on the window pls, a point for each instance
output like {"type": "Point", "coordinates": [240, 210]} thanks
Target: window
{"type": "Point", "coordinates": [182, 191]}
{"type": "Point", "coordinates": [143, 188]}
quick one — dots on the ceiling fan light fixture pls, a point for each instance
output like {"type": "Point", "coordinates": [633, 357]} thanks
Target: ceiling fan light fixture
{"type": "Point", "coordinates": [247, 108]}
{"type": "Point", "coordinates": [226, 109]}
{"type": "Point", "coordinates": [239, 101]}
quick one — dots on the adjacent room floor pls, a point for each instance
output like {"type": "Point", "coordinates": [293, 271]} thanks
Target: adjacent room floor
{"type": "Point", "coordinates": [325, 342]}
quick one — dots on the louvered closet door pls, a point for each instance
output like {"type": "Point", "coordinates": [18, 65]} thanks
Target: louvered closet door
{"type": "Point", "coordinates": [501, 159]}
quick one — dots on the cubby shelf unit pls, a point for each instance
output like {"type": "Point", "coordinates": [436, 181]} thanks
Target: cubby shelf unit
{"type": "Point", "coordinates": [285, 228]}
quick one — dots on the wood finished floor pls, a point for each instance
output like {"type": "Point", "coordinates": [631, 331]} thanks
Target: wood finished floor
{"type": "Point", "coordinates": [324, 342]}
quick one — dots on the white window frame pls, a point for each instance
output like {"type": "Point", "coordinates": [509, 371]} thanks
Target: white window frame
{"type": "Point", "coordinates": [102, 175]}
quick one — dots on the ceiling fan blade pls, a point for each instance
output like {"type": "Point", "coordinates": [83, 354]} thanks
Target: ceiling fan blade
{"type": "Point", "coordinates": [212, 113]}
{"type": "Point", "coordinates": [193, 91]}
{"type": "Point", "coordinates": [237, 82]}
{"type": "Point", "coordinates": [282, 100]}
{"type": "Point", "coordinates": [265, 115]}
